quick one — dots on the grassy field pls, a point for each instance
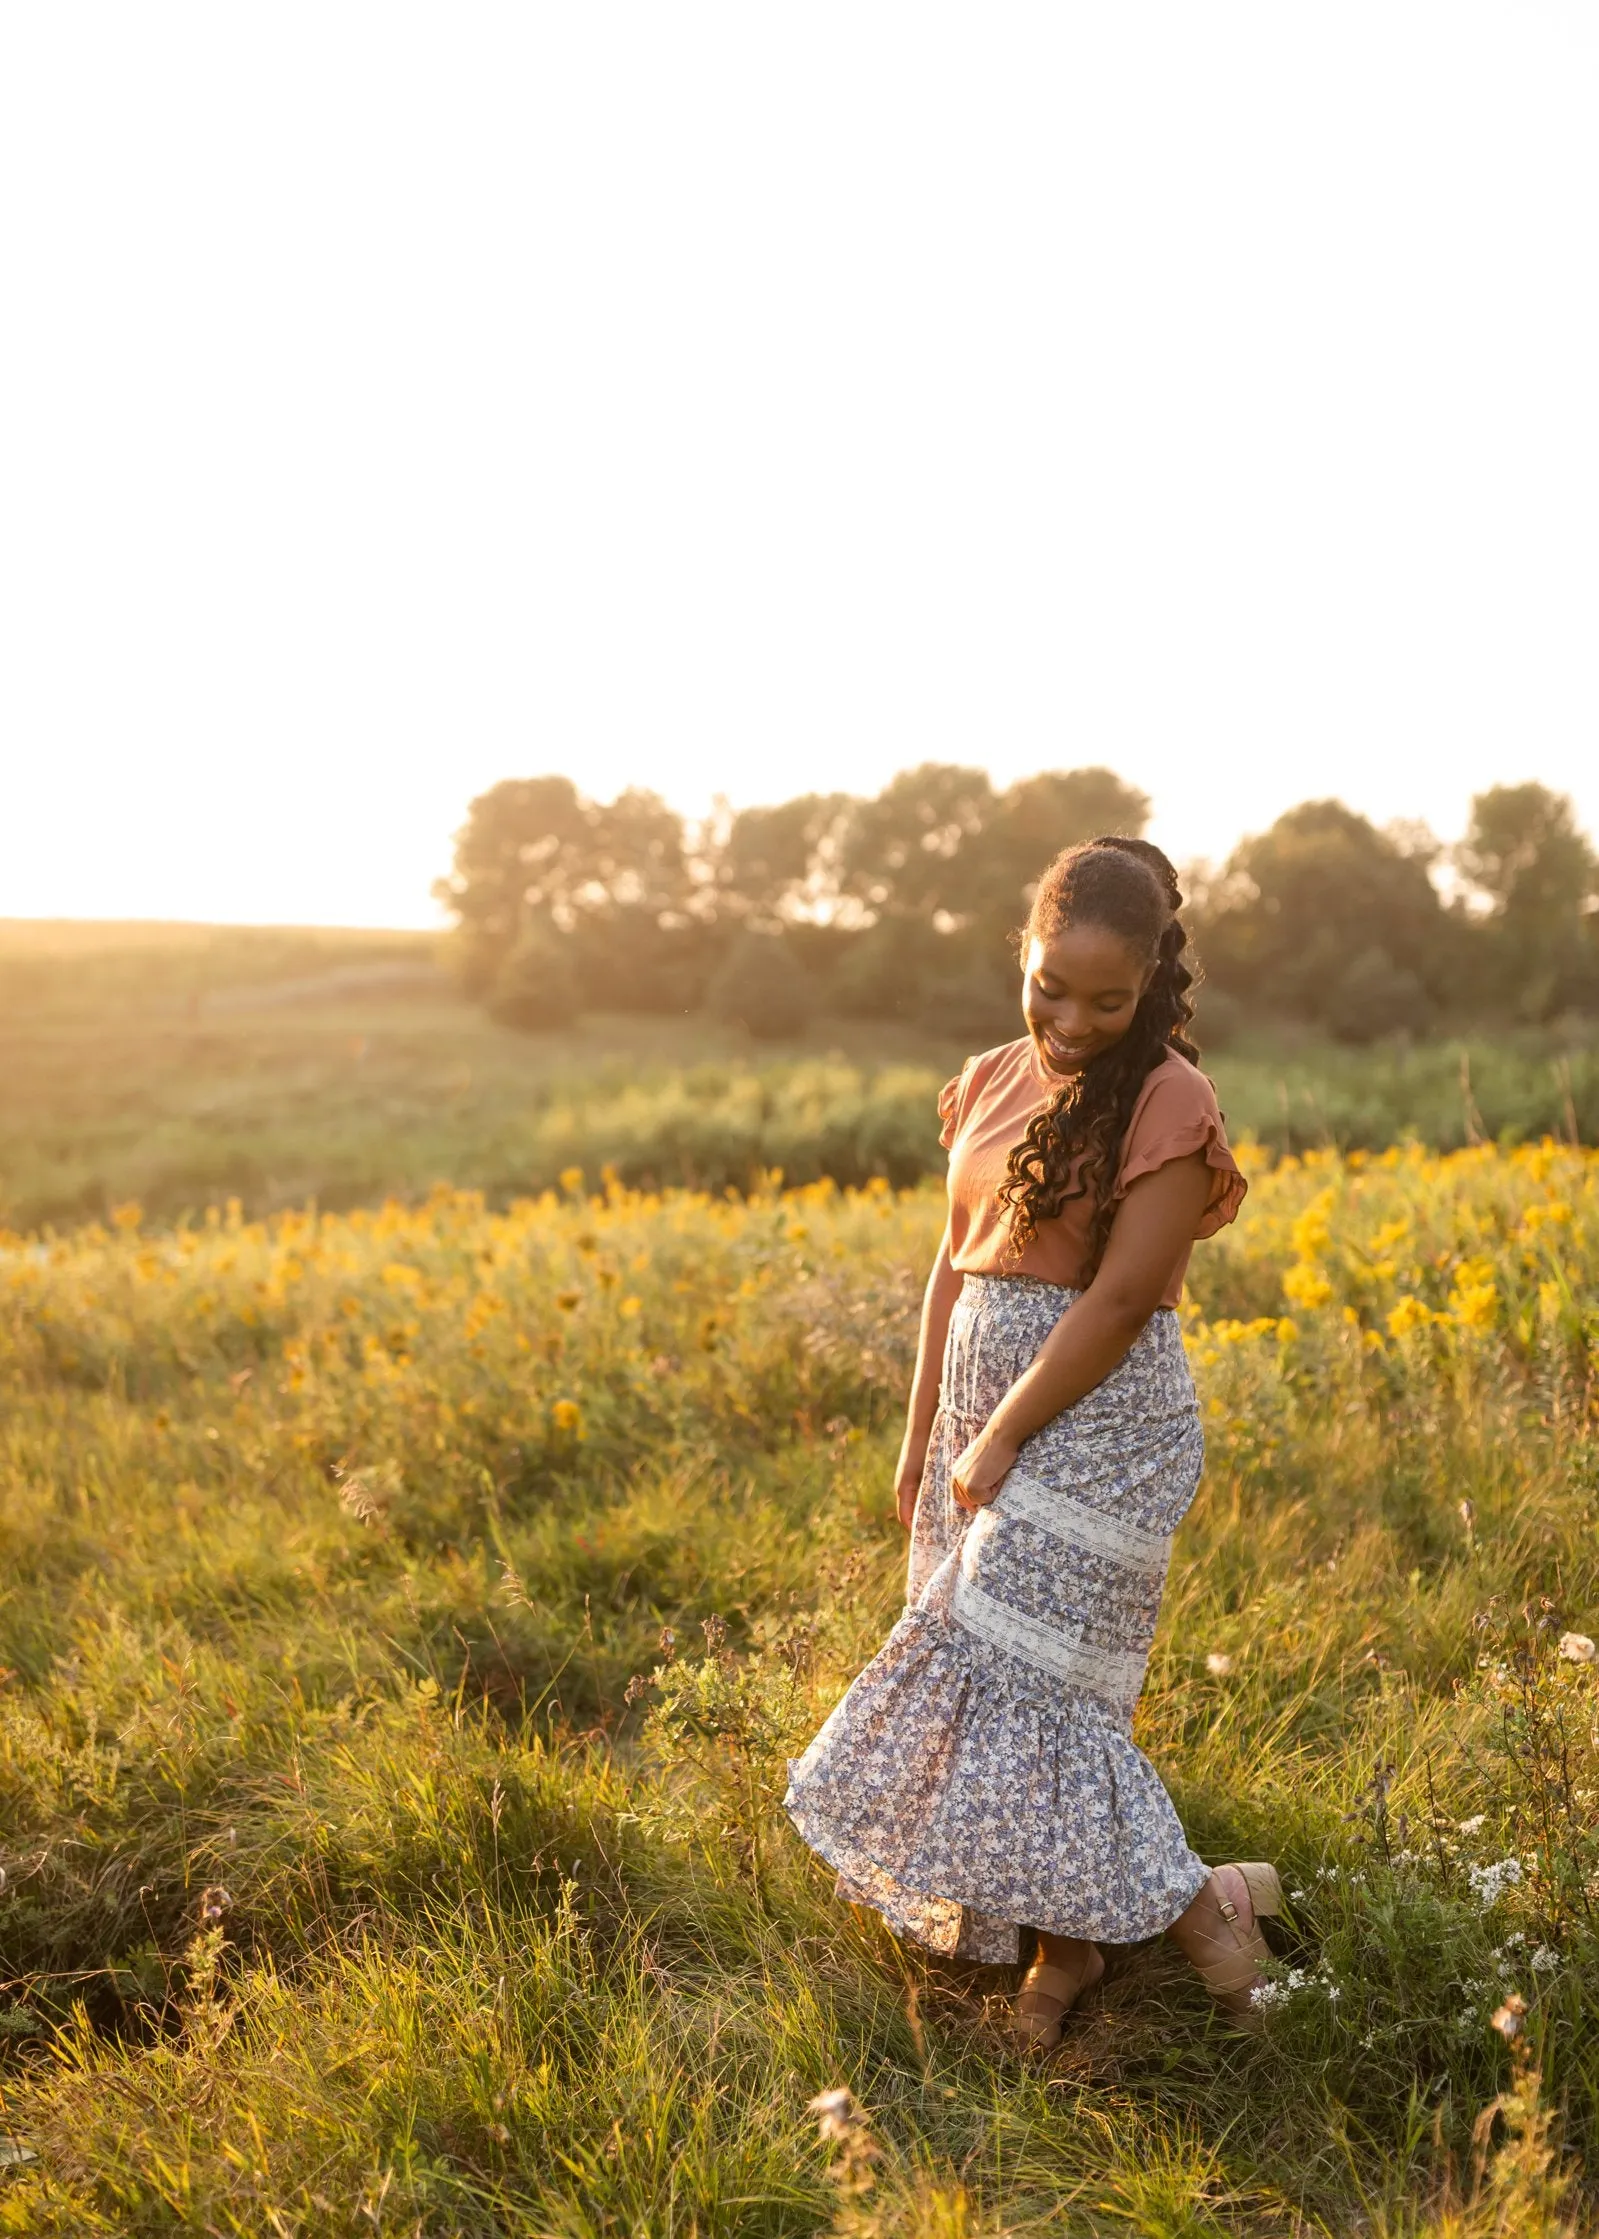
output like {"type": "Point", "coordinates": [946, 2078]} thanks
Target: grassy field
{"type": "Point", "coordinates": [405, 1615]}
{"type": "Point", "coordinates": [180, 1066]}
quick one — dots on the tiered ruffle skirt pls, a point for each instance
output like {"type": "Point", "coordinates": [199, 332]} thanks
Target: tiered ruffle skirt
{"type": "Point", "coordinates": [980, 1775]}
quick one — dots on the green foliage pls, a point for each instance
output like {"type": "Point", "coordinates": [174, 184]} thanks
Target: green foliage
{"type": "Point", "coordinates": [902, 906]}
{"type": "Point", "coordinates": [934, 871]}
{"type": "Point", "coordinates": [537, 986]}
{"type": "Point", "coordinates": [1539, 877]}
{"type": "Point", "coordinates": [1325, 918]}
{"type": "Point", "coordinates": [763, 987]}
{"type": "Point", "coordinates": [180, 1075]}
{"type": "Point", "coordinates": [390, 1762]}
{"type": "Point", "coordinates": [1374, 998]}
{"type": "Point", "coordinates": [535, 863]}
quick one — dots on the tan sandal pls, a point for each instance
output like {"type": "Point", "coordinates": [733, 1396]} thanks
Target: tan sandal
{"type": "Point", "coordinates": [1237, 1971]}
{"type": "Point", "coordinates": [1047, 1995]}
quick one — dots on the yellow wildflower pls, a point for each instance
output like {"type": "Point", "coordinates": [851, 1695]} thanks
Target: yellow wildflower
{"type": "Point", "coordinates": [1307, 1286]}
{"type": "Point", "coordinates": [1474, 1305]}
{"type": "Point", "coordinates": [1312, 1232]}
{"type": "Point", "coordinates": [1409, 1314]}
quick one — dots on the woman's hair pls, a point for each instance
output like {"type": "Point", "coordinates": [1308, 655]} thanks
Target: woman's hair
{"type": "Point", "coordinates": [1128, 888]}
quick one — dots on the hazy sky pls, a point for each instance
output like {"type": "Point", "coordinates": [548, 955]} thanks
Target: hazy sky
{"type": "Point", "coordinates": [748, 398]}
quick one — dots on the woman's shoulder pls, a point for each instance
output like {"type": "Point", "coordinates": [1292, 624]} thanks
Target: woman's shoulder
{"type": "Point", "coordinates": [996, 1072]}
{"type": "Point", "coordinates": [1175, 1089]}
{"type": "Point", "coordinates": [1176, 1115]}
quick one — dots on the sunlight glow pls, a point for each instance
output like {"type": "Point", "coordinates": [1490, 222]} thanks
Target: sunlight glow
{"type": "Point", "coordinates": [740, 401]}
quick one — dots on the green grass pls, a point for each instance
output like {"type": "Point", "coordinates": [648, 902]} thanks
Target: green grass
{"type": "Point", "coordinates": [351, 1886]}
{"type": "Point", "coordinates": [179, 1066]}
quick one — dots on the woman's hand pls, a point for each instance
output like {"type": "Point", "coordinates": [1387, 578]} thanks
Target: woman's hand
{"type": "Point", "coordinates": [981, 1470]}
{"type": "Point", "coordinates": [908, 1477]}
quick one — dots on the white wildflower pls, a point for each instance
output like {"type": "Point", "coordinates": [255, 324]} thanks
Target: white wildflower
{"type": "Point", "coordinates": [1219, 1665]}
{"type": "Point", "coordinates": [1489, 1883]}
{"type": "Point", "coordinates": [1474, 1826]}
{"type": "Point", "coordinates": [1577, 1648]}
{"type": "Point", "coordinates": [1289, 1985]}
{"type": "Point", "coordinates": [1545, 1960]}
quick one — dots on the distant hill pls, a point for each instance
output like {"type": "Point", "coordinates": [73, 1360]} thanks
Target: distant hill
{"type": "Point", "coordinates": [78, 967]}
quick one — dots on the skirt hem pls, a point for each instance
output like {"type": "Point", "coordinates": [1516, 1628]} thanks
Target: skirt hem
{"type": "Point", "coordinates": [924, 1725]}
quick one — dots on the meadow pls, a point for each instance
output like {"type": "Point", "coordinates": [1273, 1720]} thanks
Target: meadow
{"type": "Point", "coordinates": [407, 1612]}
{"type": "Point", "coordinates": [181, 1065]}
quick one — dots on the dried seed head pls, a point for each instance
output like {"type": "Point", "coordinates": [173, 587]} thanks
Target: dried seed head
{"type": "Point", "coordinates": [835, 2114]}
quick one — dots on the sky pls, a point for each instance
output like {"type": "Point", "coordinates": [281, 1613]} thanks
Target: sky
{"type": "Point", "coordinates": [740, 399]}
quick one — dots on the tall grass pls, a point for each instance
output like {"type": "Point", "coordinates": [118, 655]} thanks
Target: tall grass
{"type": "Point", "coordinates": [406, 1615]}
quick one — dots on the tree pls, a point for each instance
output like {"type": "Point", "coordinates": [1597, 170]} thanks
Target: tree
{"type": "Point", "coordinates": [517, 858]}
{"type": "Point", "coordinates": [537, 866]}
{"type": "Point", "coordinates": [770, 866]}
{"type": "Point", "coordinates": [1374, 996]}
{"type": "Point", "coordinates": [536, 987]}
{"type": "Point", "coordinates": [908, 852]}
{"type": "Point", "coordinates": [1536, 880]}
{"type": "Point", "coordinates": [763, 987]}
{"type": "Point", "coordinates": [640, 942]}
{"type": "Point", "coordinates": [1325, 918]}
{"type": "Point", "coordinates": [938, 870]}
{"type": "Point", "coordinates": [1032, 821]}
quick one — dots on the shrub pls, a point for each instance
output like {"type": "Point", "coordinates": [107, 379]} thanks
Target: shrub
{"type": "Point", "coordinates": [762, 987]}
{"type": "Point", "coordinates": [1374, 997]}
{"type": "Point", "coordinates": [537, 987]}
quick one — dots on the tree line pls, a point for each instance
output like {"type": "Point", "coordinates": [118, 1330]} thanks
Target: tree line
{"type": "Point", "coordinates": [902, 905]}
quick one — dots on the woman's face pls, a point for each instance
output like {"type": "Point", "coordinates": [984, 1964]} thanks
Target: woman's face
{"type": "Point", "coordinates": [1079, 991]}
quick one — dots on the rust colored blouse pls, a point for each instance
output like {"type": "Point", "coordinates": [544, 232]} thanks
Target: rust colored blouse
{"type": "Point", "coordinates": [985, 1111]}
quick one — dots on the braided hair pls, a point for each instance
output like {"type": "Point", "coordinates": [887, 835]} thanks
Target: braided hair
{"type": "Point", "coordinates": [1073, 1146]}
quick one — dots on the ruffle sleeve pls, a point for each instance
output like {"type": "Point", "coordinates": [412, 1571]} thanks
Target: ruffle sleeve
{"type": "Point", "coordinates": [950, 1099]}
{"type": "Point", "coordinates": [1176, 1116]}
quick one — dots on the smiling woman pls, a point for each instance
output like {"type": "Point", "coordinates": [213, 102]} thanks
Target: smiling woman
{"type": "Point", "coordinates": [980, 1775]}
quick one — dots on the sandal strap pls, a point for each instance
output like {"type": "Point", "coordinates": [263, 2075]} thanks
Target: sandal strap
{"type": "Point", "coordinates": [1239, 1970]}
{"type": "Point", "coordinates": [1055, 1983]}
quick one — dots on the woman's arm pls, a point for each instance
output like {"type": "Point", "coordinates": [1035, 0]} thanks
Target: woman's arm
{"type": "Point", "coordinates": [938, 1303]}
{"type": "Point", "coordinates": [1156, 1222]}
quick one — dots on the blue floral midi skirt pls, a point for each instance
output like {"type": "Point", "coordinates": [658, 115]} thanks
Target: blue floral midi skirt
{"type": "Point", "coordinates": [980, 1774]}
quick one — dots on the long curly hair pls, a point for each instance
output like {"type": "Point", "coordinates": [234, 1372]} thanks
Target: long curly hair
{"type": "Point", "coordinates": [1073, 1146]}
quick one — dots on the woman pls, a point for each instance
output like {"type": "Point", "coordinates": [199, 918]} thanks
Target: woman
{"type": "Point", "coordinates": [980, 1774]}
